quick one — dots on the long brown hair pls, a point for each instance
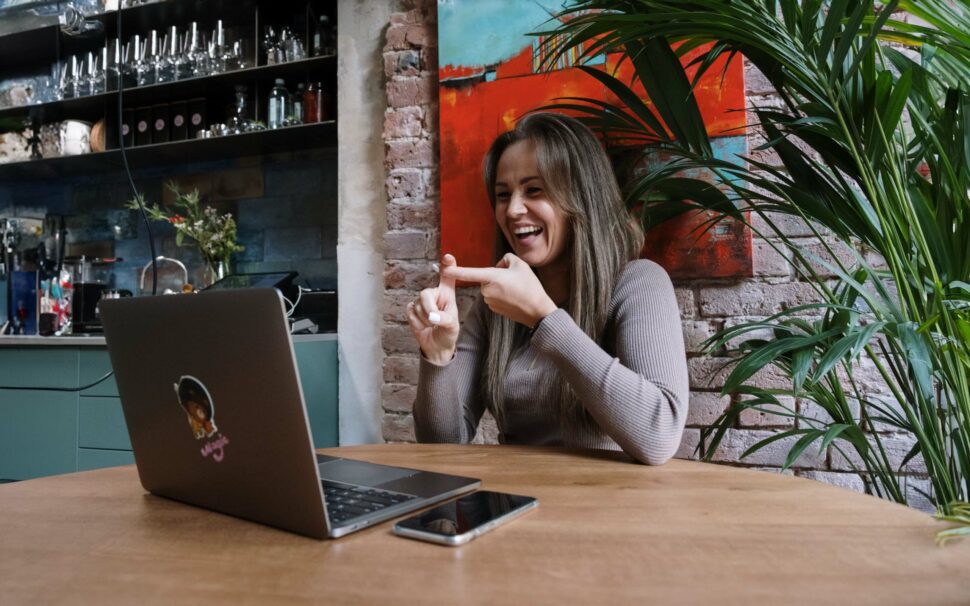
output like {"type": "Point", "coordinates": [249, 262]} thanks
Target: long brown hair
{"type": "Point", "coordinates": [580, 180]}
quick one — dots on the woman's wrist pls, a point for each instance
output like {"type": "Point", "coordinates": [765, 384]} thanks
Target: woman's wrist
{"type": "Point", "coordinates": [544, 311]}
{"type": "Point", "coordinates": [439, 359]}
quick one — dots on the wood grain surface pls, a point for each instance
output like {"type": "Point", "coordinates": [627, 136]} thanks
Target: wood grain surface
{"type": "Point", "coordinates": [606, 531]}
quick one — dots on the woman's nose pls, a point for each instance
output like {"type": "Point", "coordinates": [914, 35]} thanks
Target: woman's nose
{"type": "Point", "coordinates": [516, 206]}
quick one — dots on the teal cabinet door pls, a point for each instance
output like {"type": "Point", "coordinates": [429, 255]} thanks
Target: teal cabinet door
{"type": "Point", "coordinates": [94, 363]}
{"type": "Point", "coordinates": [38, 367]}
{"type": "Point", "coordinates": [38, 434]}
{"type": "Point", "coordinates": [38, 429]}
{"type": "Point", "coordinates": [101, 424]}
{"type": "Point", "coordinates": [317, 364]}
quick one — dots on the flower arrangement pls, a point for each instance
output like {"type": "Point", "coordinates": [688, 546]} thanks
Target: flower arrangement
{"type": "Point", "coordinates": [214, 233]}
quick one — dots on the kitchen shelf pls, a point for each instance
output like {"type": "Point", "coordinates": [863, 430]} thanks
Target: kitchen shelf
{"type": "Point", "coordinates": [40, 43]}
{"type": "Point", "coordinates": [92, 107]}
{"type": "Point", "coordinates": [290, 138]}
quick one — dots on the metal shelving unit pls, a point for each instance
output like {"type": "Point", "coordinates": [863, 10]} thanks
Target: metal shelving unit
{"type": "Point", "coordinates": [23, 50]}
{"type": "Point", "coordinates": [93, 106]}
{"type": "Point", "coordinates": [288, 139]}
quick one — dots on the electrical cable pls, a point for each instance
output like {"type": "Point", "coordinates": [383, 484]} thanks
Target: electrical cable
{"type": "Point", "coordinates": [293, 304]}
{"type": "Point", "coordinates": [131, 181]}
{"type": "Point", "coordinates": [105, 377]}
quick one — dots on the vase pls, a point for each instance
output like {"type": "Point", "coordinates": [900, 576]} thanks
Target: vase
{"type": "Point", "coordinates": [215, 271]}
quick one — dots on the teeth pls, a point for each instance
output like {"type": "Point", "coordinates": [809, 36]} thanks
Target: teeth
{"type": "Point", "coordinates": [527, 230]}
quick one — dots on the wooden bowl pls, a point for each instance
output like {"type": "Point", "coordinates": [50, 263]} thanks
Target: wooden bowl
{"type": "Point", "coordinates": [97, 136]}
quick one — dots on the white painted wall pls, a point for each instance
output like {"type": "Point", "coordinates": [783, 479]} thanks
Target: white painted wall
{"type": "Point", "coordinates": [361, 218]}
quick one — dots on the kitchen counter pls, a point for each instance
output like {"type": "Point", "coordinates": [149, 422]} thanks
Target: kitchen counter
{"type": "Point", "coordinates": [98, 340]}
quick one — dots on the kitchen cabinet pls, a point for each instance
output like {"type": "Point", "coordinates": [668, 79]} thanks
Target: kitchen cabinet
{"type": "Point", "coordinates": [38, 434]}
{"type": "Point", "coordinates": [51, 432]}
{"type": "Point", "coordinates": [280, 184]}
{"type": "Point", "coordinates": [38, 429]}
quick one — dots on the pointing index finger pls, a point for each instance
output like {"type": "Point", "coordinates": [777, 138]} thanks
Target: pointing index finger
{"type": "Point", "coordinates": [478, 275]}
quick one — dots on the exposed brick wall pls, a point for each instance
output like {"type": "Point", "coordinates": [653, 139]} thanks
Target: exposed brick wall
{"type": "Point", "coordinates": [411, 243]}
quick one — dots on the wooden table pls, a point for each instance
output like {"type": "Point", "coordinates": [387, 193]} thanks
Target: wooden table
{"type": "Point", "coordinates": [607, 531]}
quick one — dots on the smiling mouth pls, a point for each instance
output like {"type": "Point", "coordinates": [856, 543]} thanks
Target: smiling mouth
{"type": "Point", "coordinates": [525, 234]}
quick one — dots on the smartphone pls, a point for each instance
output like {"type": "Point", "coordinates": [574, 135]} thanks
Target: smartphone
{"type": "Point", "coordinates": [461, 520]}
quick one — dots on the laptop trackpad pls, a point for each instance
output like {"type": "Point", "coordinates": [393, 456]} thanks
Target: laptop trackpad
{"type": "Point", "coordinates": [358, 472]}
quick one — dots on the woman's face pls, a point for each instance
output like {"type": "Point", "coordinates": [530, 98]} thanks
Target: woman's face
{"type": "Point", "coordinates": [534, 226]}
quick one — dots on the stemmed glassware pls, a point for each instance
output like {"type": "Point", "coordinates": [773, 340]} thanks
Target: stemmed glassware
{"type": "Point", "coordinates": [50, 89]}
{"type": "Point", "coordinates": [142, 67]}
{"type": "Point", "coordinates": [292, 45]}
{"type": "Point", "coordinates": [68, 78]}
{"type": "Point", "coordinates": [197, 53]}
{"type": "Point", "coordinates": [220, 55]}
{"type": "Point", "coordinates": [282, 47]}
{"type": "Point", "coordinates": [238, 123]}
{"type": "Point", "coordinates": [93, 75]}
{"type": "Point", "coordinates": [170, 62]}
{"type": "Point", "coordinates": [240, 59]}
{"type": "Point", "coordinates": [152, 56]}
{"type": "Point", "coordinates": [273, 46]}
{"type": "Point", "coordinates": [113, 65]}
{"type": "Point", "coordinates": [152, 59]}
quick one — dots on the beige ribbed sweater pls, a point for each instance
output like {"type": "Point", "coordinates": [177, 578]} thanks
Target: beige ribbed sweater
{"type": "Point", "coordinates": [634, 386]}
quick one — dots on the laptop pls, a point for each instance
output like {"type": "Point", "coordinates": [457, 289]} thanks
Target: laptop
{"type": "Point", "coordinates": [215, 411]}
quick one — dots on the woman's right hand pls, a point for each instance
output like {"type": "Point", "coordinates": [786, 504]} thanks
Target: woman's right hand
{"type": "Point", "coordinates": [433, 318]}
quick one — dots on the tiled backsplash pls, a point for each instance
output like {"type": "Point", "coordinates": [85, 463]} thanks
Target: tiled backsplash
{"type": "Point", "coordinates": [285, 206]}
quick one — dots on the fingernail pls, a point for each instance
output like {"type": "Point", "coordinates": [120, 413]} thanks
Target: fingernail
{"type": "Point", "coordinates": [434, 317]}
{"type": "Point", "coordinates": [436, 267]}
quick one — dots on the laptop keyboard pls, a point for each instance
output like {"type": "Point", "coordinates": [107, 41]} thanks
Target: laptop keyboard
{"type": "Point", "coordinates": [345, 502]}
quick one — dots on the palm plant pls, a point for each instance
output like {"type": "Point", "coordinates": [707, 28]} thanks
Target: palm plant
{"type": "Point", "coordinates": [871, 145]}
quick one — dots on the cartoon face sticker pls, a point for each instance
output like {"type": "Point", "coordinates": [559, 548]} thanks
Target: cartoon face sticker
{"type": "Point", "coordinates": [194, 398]}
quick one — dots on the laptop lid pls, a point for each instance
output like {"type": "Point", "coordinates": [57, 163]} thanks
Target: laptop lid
{"type": "Point", "coordinates": [213, 403]}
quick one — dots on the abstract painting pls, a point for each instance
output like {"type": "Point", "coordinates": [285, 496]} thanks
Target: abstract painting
{"type": "Point", "coordinates": [489, 77]}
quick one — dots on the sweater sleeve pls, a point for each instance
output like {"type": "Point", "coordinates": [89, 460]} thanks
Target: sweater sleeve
{"type": "Point", "coordinates": [448, 405]}
{"type": "Point", "coordinates": [638, 398]}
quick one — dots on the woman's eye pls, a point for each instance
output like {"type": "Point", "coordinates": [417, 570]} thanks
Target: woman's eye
{"type": "Point", "coordinates": [502, 196]}
{"type": "Point", "coordinates": [533, 191]}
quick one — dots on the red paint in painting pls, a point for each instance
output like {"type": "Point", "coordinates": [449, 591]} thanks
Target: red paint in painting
{"type": "Point", "coordinates": [474, 112]}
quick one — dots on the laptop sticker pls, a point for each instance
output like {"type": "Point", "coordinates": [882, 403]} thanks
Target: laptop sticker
{"type": "Point", "coordinates": [200, 412]}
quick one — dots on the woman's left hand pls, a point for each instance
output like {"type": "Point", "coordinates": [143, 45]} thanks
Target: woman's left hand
{"type": "Point", "coordinates": [510, 289]}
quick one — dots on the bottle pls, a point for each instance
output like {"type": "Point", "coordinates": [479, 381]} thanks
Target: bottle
{"type": "Point", "coordinates": [311, 105]}
{"type": "Point", "coordinates": [279, 105]}
{"type": "Point", "coordinates": [323, 103]}
{"type": "Point", "coordinates": [239, 122]}
{"type": "Point", "coordinates": [323, 43]}
{"type": "Point", "coordinates": [296, 106]}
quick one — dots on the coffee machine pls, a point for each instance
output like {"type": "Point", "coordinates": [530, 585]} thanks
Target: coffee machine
{"type": "Point", "coordinates": [91, 280]}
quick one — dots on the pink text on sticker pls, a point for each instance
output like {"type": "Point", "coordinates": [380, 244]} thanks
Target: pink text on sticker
{"type": "Point", "coordinates": [215, 448]}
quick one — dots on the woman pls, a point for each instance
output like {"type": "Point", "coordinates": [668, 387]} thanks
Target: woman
{"type": "Point", "coordinates": [573, 342]}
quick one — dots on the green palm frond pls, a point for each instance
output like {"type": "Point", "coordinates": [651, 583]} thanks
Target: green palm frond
{"type": "Point", "coordinates": [869, 143]}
